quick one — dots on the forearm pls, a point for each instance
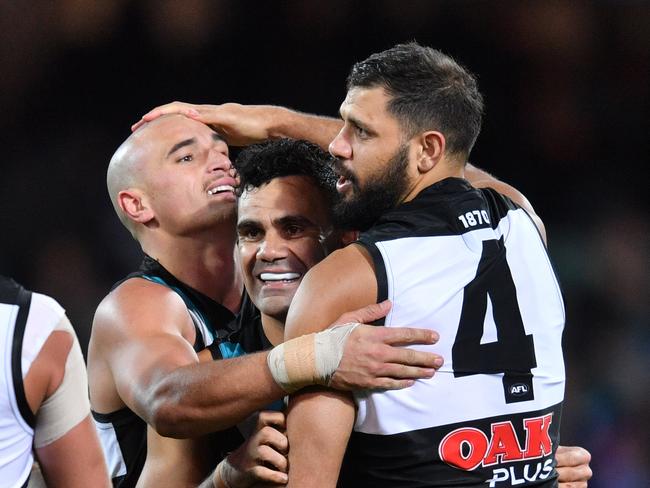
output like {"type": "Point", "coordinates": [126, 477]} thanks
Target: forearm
{"type": "Point", "coordinates": [481, 179]}
{"type": "Point", "coordinates": [319, 421]}
{"type": "Point", "coordinates": [297, 125]}
{"type": "Point", "coordinates": [200, 398]}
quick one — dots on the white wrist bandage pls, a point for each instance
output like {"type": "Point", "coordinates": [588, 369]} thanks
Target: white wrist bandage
{"type": "Point", "coordinates": [310, 359]}
{"type": "Point", "coordinates": [225, 472]}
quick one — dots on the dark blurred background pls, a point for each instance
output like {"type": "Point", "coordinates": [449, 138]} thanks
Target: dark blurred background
{"type": "Point", "coordinates": [567, 88]}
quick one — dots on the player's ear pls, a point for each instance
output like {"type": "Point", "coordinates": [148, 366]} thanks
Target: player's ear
{"type": "Point", "coordinates": [430, 150]}
{"type": "Point", "coordinates": [349, 236]}
{"type": "Point", "coordinates": [134, 204]}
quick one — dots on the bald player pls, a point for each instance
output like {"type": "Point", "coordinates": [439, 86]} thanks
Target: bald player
{"type": "Point", "coordinates": [244, 124]}
{"type": "Point", "coordinates": [155, 406]}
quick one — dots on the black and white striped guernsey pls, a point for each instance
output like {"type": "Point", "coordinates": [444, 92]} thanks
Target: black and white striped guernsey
{"type": "Point", "coordinates": [471, 265]}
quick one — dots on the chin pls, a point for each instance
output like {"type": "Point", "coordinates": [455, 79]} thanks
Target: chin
{"type": "Point", "coordinates": [275, 307]}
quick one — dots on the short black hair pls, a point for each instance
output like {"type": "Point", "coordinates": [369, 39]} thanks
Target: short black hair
{"type": "Point", "coordinates": [428, 90]}
{"type": "Point", "coordinates": [260, 163]}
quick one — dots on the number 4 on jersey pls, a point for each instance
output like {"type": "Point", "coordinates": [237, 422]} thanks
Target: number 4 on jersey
{"type": "Point", "coordinates": [513, 354]}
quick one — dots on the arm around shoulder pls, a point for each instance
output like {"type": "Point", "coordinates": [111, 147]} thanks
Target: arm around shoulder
{"type": "Point", "coordinates": [145, 339]}
{"type": "Point", "coordinates": [482, 179]}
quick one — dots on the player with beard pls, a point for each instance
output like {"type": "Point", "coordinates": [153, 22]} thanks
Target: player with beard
{"type": "Point", "coordinates": [156, 407]}
{"type": "Point", "coordinates": [470, 263]}
{"type": "Point", "coordinates": [285, 227]}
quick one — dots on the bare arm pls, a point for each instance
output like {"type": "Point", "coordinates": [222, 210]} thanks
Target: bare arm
{"type": "Point", "coordinates": [75, 459]}
{"type": "Point", "coordinates": [242, 125]}
{"type": "Point", "coordinates": [482, 179]}
{"type": "Point", "coordinates": [321, 421]}
{"type": "Point", "coordinates": [143, 334]}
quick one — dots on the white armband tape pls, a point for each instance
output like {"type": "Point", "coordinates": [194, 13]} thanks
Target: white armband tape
{"type": "Point", "coordinates": [69, 404]}
{"type": "Point", "coordinates": [310, 359]}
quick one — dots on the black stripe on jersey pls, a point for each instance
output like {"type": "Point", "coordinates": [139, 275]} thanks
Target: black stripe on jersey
{"type": "Point", "coordinates": [435, 211]}
{"type": "Point", "coordinates": [131, 436]}
{"type": "Point", "coordinates": [412, 459]}
{"type": "Point", "coordinates": [23, 300]}
{"type": "Point", "coordinates": [380, 274]}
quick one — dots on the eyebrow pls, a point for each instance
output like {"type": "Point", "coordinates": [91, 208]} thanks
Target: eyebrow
{"type": "Point", "coordinates": [295, 219]}
{"type": "Point", "coordinates": [247, 224]}
{"type": "Point", "coordinates": [182, 144]}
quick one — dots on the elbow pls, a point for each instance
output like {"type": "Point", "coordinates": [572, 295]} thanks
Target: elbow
{"type": "Point", "coordinates": [168, 415]}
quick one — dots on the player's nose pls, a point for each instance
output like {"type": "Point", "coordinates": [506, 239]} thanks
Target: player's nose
{"type": "Point", "coordinates": [340, 147]}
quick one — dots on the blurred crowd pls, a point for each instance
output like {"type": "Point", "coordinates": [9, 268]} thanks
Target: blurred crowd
{"type": "Point", "coordinates": [567, 86]}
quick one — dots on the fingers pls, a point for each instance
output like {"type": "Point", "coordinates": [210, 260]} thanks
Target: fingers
{"type": "Point", "coordinates": [573, 485]}
{"type": "Point", "coordinates": [572, 456]}
{"type": "Point", "coordinates": [268, 475]}
{"type": "Point", "coordinates": [271, 458]}
{"type": "Point", "coordinates": [366, 314]}
{"type": "Point", "coordinates": [402, 336]}
{"type": "Point", "coordinates": [410, 357]}
{"type": "Point", "coordinates": [186, 109]}
{"type": "Point", "coordinates": [271, 418]}
{"type": "Point", "coordinates": [574, 474]}
{"type": "Point", "coordinates": [272, 438]}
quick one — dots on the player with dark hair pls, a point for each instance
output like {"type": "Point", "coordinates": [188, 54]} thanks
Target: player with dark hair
{"type": "Point", "coordinates": [283, 216]}
{"type": "Point", "coordinates": [155, 405]}
{"type": "Point", "coordinates": [469, 262]}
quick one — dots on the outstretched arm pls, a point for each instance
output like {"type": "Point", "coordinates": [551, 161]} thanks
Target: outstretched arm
{"type": "Point", "coordinates": [143, 333]}
{"type": "Point", "coordinates": [242, 125]}
{"type": "Point", "coordinates": [142, 343]}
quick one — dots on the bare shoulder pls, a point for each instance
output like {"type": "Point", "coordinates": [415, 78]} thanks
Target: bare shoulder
{"type": "Point", "coordinates": [138, 307]}
{"type": "Point", "coordinates": [342, 282]}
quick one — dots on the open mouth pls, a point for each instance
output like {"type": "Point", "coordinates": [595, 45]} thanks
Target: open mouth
{"type": "Point", "coordinates": [279, 277]}
{"type": "Point", "coordinates": [221, 189]}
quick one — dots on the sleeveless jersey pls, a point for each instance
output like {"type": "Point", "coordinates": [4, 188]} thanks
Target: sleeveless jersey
{"type": "Point", "coordinates": [471, 265]}
{"type": "Point", "coordinates": [122, 433]}
{"type": "Point", "coordinates": [26, 321]}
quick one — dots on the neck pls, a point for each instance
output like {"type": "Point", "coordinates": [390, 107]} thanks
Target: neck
{"type": "Point", "coordinates": [206, 263]}
{"type": "Point", "coordinates": [445, 168]}
{"type": "Point", "coordinates": [273, 329]}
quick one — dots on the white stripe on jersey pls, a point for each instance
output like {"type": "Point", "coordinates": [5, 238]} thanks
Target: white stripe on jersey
{"type": "Point", "coordinates": [426, 278]}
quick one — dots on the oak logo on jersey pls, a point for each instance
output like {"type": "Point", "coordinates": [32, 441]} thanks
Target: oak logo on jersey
{"type": "Point", "coordinates": [468, 448]}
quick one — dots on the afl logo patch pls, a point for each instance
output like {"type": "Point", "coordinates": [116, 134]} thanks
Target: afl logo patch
{"type": "Point", "coordinates": [518, 389]}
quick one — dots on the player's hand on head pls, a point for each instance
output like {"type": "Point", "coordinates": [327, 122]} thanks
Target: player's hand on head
{"type": "Point", "coordinates": [374, 359]}
{"type": "Point", "coordinates": [240, 125]}
{"type": "Point", "coordinates": [573, 466]}
{"type": "Point", "coordinates": [262, 458]}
